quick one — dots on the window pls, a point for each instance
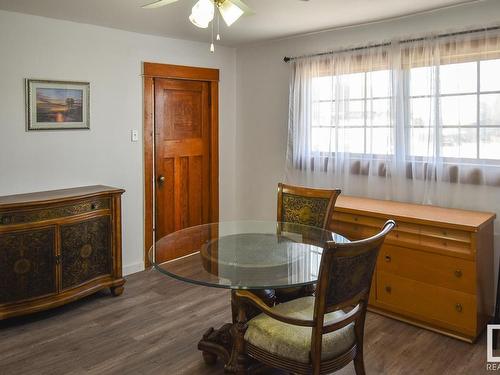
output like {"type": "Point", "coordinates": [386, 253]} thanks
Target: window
{"type": "Point", "coordinates": [450, 111]}
{"type": "Point", "coordinates": [351, 113]}
{"type": "Point", "coordinates": [464, 100]}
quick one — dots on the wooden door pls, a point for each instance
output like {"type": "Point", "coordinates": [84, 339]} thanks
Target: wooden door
{"type": "Point", "coordinates": [182, 156]}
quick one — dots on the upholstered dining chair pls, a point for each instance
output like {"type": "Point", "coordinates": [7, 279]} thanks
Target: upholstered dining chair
{"type": "Point", "coordinates": [298, 205]}
{"type": "Point", "coordinates": [306, 206]}
{"type": "Point", "coordinates": [321, 334]}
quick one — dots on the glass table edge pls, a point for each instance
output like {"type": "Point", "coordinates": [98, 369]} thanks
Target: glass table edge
{"type": "Point", "coordinates": [158, 267]}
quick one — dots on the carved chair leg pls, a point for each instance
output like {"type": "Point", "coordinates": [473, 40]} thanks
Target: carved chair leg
{"type": "Point", "coordinates": [359, 328]}
{"type": "Point", "coordinates": [359, 364]}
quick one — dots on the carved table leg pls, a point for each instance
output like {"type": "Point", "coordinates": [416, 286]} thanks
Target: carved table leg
{"type": "Point", "coordinates": [239, 361]}
{"type": "Point", "coordinates": [209, 358]}
{"type": "Point", "coordinates": [228, 344]}
{"type": "Point", "coordinates": [216, 343]}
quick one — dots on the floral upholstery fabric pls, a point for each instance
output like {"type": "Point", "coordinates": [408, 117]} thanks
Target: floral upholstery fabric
{"type": "Point", "coordinates": [294, 342]}
{"type": "Point", "coordinates": [304, 210]}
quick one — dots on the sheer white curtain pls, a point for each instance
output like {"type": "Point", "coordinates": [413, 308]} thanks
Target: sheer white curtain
{"type": "Point", "coordinates": [330, 128]}
{"type": "Point", "coordinates": [415, 121]}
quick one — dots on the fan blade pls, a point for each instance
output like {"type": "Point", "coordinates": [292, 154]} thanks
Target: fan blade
{"type": "Point", "coordinates": [158, 3]}
{"type": "Point", "coordinates": [245, 8]}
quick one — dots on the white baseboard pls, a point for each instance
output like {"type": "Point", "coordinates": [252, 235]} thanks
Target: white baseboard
{"type": "Point", "coordinates": [132, 268]}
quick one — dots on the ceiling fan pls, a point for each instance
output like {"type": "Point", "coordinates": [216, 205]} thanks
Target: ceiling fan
{"type": "Point", "coordinates": [204, 12]}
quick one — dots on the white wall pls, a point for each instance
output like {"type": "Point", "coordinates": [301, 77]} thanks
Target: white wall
{"type": "Point", "coordinates": [262, 87]}
{"type": "Point", "coordinates": [36, 47]}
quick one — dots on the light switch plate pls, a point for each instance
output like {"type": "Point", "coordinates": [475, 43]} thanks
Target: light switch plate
{"type": "Point", "coordinates": [134, 135]}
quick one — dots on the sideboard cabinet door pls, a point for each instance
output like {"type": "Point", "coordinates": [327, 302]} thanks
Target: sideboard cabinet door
{"type": "Point", "coordinates": [86, 251]}
{"type": "Point", "coordinates": [27, 264]}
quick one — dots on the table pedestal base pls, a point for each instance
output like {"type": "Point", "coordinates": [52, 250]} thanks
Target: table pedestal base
{"type": "Point", "coordinates": [218, 343]}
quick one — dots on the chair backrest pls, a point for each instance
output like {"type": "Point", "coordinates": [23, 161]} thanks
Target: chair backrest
{"type": "Point", "coordinates": [307, 206]}
{"type": "Point", "coordinates": [344, 281]}
{"type": "Point", "coordinates": [346, 270]}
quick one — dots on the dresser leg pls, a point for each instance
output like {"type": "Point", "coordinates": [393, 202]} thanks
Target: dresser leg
{"type": "Point", "coordinates": [116, 290]}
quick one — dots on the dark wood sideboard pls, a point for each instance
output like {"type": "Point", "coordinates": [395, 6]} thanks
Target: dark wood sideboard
{"type": "Point", "coordinates": [58, 246]}
{"type": "Point", "coordinates": [435, 270]}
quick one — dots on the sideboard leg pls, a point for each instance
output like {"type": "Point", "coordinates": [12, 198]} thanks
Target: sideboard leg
{"type": "Point", "coordinates": [116, 290]}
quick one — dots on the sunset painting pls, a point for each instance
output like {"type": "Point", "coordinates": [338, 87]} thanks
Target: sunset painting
{"type": "Point", "coordinates": [53, 105]}
{"type": "Point", "coordinates": [59, 105]}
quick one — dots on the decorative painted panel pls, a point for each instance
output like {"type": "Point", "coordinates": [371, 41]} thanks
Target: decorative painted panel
{"type": "Point", "coordinates": [85, 251]}
{"type": "Point", "coordinates": [304, 210]}
{"type": "Point", "coordinates": [50, 213]}
{"type": "Point", "coordinates": [27, 264]}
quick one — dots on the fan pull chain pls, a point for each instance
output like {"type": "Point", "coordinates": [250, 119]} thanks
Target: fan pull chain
{"type": "Point", "coordinates": [212, 46]}
{"type": "Point", "coordinates": [218, 26]}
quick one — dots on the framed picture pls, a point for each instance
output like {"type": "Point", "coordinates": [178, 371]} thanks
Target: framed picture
{"type": "Point", "coordinates": [54, 105]}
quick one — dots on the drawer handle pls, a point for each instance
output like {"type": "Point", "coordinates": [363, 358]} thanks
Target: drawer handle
{"type": "Point", "coordinates": [355, 219]}
{"type": "Point", "coordinates": [458, 273]}
{"type": "Point", "coordinates": [388, 289]}
{"type": "Point", "coordinates": [458, 307]}
{"type": "Point", "coordinates": [387, 258]}
{"type": "Point", "coordinates": [93, 206]}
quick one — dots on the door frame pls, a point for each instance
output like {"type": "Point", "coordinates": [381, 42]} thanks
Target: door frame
{"type": "Point", "coordinates": [156, 70]}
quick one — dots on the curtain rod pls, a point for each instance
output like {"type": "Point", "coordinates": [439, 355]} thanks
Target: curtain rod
{"type": "Point", "coordinates": [288, 59]}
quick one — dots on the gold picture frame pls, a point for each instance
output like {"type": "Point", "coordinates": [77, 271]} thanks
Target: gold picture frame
{"type": "Point", "coordinates": [57, 105]}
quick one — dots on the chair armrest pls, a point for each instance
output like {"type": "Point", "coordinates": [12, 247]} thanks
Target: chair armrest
{"type": "Point", "coordinates": [247, 296]}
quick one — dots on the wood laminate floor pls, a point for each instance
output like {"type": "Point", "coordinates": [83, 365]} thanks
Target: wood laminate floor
{"type": "Point", "coordinates": [154, 327]}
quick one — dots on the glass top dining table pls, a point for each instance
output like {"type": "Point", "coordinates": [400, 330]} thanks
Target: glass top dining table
{"type": "Point", "coordinates": [243, 254]}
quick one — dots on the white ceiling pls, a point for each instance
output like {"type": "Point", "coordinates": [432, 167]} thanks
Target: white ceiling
{"type": "Point", "coordinates": [273, 18]}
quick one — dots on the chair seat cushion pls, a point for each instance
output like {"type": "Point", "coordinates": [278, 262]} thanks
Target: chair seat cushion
{"type": "Point", "coordinates": [288, 294]}
{"type": "Point", "coordinates": [294, 342]}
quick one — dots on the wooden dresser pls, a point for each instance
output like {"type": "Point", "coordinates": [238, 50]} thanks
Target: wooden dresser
{"type": "Point", "coordinates": [435, 269]}
{"type": "Point", "coordinates": [58, 246]}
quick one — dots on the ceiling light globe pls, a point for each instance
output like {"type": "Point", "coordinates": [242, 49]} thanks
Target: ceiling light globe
{"type": "Point", "coordinates": [202, 13]}
{"type": "Point", "coordinates": [230, 12]}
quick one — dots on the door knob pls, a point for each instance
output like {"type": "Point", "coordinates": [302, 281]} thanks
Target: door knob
{"type": "Point", "coordinates": [161, 180]}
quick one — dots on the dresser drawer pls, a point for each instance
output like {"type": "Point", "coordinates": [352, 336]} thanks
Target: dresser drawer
{"type": "Point", "coordinates": [434, 269]}
{"type": "Point", "coordinates": [398, 236]}
{"type": "Point", "coordinates": [444, 233]}
{"type": "Point", "coordinates": [359, 219]}
{"type": "Point", "coordinates": [50, 213]}
{"type": "Point", "coordinates": [427, 302]}
{"type": "Point", "coordinates": [444, 244]}
{"type": "Point", "coordinates": [353, 231]}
